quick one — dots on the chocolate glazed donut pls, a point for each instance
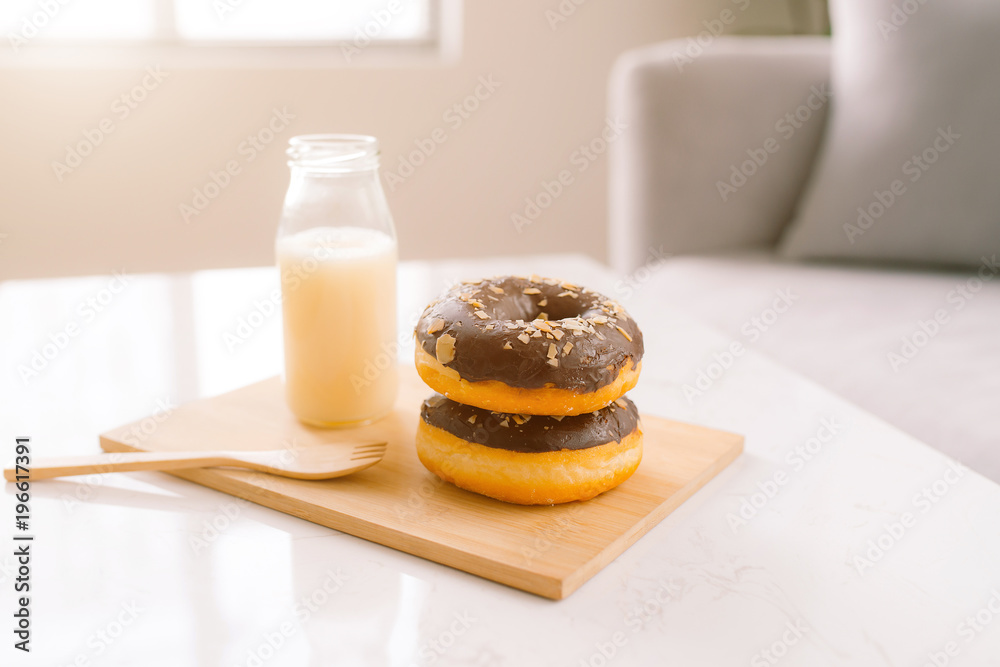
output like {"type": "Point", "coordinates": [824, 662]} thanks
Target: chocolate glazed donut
{"type": "Point", "coordinates": [528, 346]}
{"type": "Point", "coordinates": [529, 460]}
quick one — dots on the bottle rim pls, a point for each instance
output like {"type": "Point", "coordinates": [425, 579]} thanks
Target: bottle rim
{"type": "Point", "coordinates": [333, 153]}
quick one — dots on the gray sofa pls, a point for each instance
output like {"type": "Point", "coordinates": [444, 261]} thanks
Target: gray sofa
{"type": "Point", "coordinates": [919, 348]}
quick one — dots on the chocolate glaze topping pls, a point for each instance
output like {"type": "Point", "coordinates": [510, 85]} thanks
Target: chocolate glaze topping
{"type": "Point", "coordinates": [530, 332]}
{"type": "Point", "coordinates": [527, 433]}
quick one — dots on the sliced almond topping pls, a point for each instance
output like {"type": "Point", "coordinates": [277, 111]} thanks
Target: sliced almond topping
{"type": "Point", "coordinates": [436, 325]}
{"type": "Point", "coordinates": [625, 333]}
{"type": "Point", "coordinates": [489, 327]}
{"type": "Point", "coordinates": [567, 285]}
{"type": "Point", "coordinates": [558, 418]}
{"type": "Point", "coordinates": [600, 336]}
{"type": "Point", "coordinates": [496, 290]}
{"type": "Point", "coordinates": [472, 419]}
{"type": "Point", "coordinates": [445, 348]}
{"type": "Point", "coordinates": [523, 338]}
{"type": "Point", "coordinates": [569, 293]}
{"type": "Point", "coordinates": [578, 332]}
{"type": "Point", "coordinates": [505, 423]}
{"type": "Point", "coordinates": [553, 362]}
{"type": "Point", "coordinates": [477, 304]}
{"type": "Point", "coordinates": [552, 351]}
{"type": "Point", "coordinates": [621, 404]}
{"type": "Point", "coordinates": [510, 325]}
{"type": "Point", "coordinates": [537, 334]}
{"type": "Point", "coordinates": [543, 316]}
{"type": "Point", "coordinates": [543, 325]}
{"type": "Point", "coordinates": [558, 334]}
{"type": "Point", "coordinates": [518, 419]}
{"type": "Point", "coordinates": [543, 303]}
{"type": "Point", "coordinates": [550, 336]}
{"type": "Point", "coordinates": [508, 346]}
{"type": "Point", "coordinates": [531, 290]}
{"type": "Point", "coordinates": [481, 315]}
{"type": "Point", "coordinates": [567, 347]}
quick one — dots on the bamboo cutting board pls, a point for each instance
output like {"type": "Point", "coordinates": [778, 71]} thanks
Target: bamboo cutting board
{"type": "Point", "coordinates": [549, 551]}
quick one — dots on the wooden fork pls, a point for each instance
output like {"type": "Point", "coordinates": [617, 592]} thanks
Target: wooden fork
{"type": "Point", "coordinates": [315, 462]}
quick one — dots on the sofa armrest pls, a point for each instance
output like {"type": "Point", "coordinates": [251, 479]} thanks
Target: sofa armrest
{"type": "Point", "coordinates": [716, 146]}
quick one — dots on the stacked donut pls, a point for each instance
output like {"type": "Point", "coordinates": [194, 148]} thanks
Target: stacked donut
{"type": "Point", "coordinates": [531, 375]}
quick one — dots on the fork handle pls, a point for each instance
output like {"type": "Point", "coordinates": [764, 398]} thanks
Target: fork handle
{"type": "Point", "coordinates": [116, 462]}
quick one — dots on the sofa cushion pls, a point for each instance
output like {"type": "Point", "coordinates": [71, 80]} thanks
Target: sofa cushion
{"type": "Point", "coordinates": [907, 169]}
{"type": "Point", "coordinates": [919, 350]}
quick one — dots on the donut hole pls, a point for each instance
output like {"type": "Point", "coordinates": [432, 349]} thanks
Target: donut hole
{"type": "Point", "coordinates": [563, 308]}
{"type": "Point", "coordinates": [526, 308]}
{"type": "Point", "coordinates": [516, 307]}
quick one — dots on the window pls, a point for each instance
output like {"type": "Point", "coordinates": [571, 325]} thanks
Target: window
{"type": "Point", "coordinates": [334, 28]}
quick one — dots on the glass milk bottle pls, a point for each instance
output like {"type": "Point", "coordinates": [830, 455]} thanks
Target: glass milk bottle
{"type": "Point", "coordinates": [336, 251]}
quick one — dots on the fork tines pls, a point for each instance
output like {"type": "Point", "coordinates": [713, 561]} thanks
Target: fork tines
{"type": "Point", "coordinates": [373, 450]}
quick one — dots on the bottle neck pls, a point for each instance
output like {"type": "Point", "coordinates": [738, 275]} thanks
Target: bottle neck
{"type": "Point", "coordinates": [334, 183]}
{"type": "Point", "coordinates": [305, 172]}
{"type": "Point", "coordinates": [311, 186]}
{"type": "Point", "coordinates": [321, 198]}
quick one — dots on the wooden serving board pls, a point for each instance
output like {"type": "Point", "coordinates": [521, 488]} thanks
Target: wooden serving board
{"type": "Point", "coordinates": [549, 551]}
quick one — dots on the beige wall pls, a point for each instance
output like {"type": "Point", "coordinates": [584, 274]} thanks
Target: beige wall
{"type": "Point", "coordinates": [120, 207]}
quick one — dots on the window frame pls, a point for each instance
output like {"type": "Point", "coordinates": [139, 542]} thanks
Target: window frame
{"type": "Point", "coordinates": [442, 44]}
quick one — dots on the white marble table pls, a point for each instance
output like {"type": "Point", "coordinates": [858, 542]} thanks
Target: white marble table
{"type": "Point", "coordinates": [834, 540]}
